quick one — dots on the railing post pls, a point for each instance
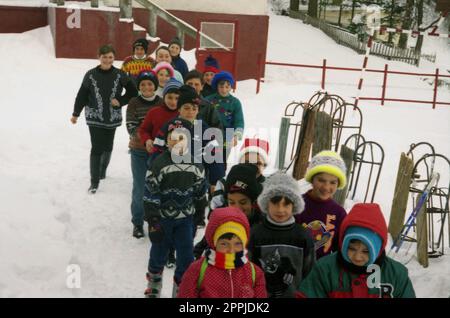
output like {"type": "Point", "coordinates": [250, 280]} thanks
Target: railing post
{"type": "Point", "coordinates": [180, 35]}
{"type": "Point", "coordinates": [436, 80]}
{"type": "Point", "coordinates": [94, 3]}
{"type": "Point", "coordinates": [126, 9]}
{"type": "Point", "coordinates": [258, 67]}
{"type": "Point", "coordinates": [383, 94]}
{"type": "Point", "coordinates": [152, 22]}
{"type": "Point", "coordinates": [324, 70]}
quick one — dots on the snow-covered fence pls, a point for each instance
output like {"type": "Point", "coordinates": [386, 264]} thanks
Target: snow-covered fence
{"type": "Point", "coordinates": [350, 40]}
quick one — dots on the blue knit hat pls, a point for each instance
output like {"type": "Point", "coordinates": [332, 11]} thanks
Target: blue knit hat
{"type": "Point", "coordinates": [222, 76]}
{"type": "Point", "coordinates": [371, 239]}
{"type": "Point", "coordinates": [171, 86]}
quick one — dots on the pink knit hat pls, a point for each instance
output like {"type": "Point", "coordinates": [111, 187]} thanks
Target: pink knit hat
{"type": "Point", "coordinates": [164, 65]}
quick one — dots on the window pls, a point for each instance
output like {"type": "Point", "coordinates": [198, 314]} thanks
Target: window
{"type": "Point", "coordinates": [220, 32]}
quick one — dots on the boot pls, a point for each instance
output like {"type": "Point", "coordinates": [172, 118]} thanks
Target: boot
{"type": "Point", "coordinates": [171, 258]}
{"type": "Point", "coordinates": [104, 162]}
{"type": "Point", "coordinates": [95, 173]}
{"type": "Point", "coordinates": [154, 285]}
{"type": "Point", "coordinates": [138, 231]}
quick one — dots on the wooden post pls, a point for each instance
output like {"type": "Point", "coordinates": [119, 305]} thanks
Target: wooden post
{"type": "Point", "coordinates": [401, 192]}
{"type": "Point", "coordinates": [323, 131]}
{"type": "Point", "coordinates": [94, 3]}
{"type": "Point", "coordinates": [347, 155]}
{"type": "Point", "coordinates": [383, 94]}
{"type": "Point", "coordinates": [436, 80]}
{"type": "Point", "coordinates": [304, 150]}
{"type": "Point", "coordinates": [422, 235]}
{"type": "Point", "coordinates": [126, 9]}
{"type": "Point", "coordinates": [324, 70]}
{"type": "Point", "coordinates": [180, 35]}
{"type": "Point", "coordinates": [282, 141]}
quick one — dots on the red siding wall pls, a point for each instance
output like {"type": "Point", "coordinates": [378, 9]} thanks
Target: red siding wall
{"type": "Point", "coordinates": [21, 19]}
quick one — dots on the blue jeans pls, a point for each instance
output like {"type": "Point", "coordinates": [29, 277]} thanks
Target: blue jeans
{"type": "Point", "coordinates": [178, 233]}
{"type": "Point", "coordinates": [138, 169]}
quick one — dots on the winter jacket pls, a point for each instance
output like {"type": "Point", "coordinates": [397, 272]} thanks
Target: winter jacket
{"type": "Point", "coordinates": [218, 282]}
{"type": "Point", "coordinates": [285, 254]}
{"type": "Point", "coordinates": [154, 121]}
{"type": "Point", "coordinates": [207, 90]}
{"type": "Point", "coordinates": [133, 66]}
{"type": "Point", "coordinates": [174, 190]}
{"type": "Point", "coordinates": [322, 219]}
{"type": "Point", "coordinates": [97, 90]}
{"type": "Point", "coordinates": [136, 111]}
{"type": "Point", "coordinates": [209, 114]}
{"type": "Point", "coordinates": [333, 277]}
{"type": "Point", "coordinates": [230, 112]}
{"type": "Point", "coordinates": [180, 65]}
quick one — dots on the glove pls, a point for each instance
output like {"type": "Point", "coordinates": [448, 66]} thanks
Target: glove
{"type": "Point", "coordinates": [155, 230]}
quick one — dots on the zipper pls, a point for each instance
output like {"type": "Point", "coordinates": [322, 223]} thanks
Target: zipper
{"type": "Point", "coordinates": [231, 284]}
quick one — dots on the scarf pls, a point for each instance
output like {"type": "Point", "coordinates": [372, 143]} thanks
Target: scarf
{"type": "Point", "coordinates": [226, 260]}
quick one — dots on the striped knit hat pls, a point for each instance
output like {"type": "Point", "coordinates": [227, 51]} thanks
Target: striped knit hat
{"type": "Point", "coordinates": [172, 86]}
{"type": "Point", "coordinates": [327, 162]}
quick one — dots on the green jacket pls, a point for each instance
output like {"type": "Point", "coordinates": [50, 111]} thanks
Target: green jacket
{"type": "Point", "coordinates": [332, 278]}
{"type": "Point", "coordinates": [230, 112]}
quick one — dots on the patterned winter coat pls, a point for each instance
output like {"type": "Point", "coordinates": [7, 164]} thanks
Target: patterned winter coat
{"type": "Point", "coordinates": [97, 90]}
{"type": "Point", "coordinates": [222, 283]}
{"type": "Point", "coordinates": [333, 277]}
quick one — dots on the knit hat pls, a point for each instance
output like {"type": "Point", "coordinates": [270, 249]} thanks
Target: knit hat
{"type": "Point", "coordinates": [255, 145]}
{"type": "Point", "coordinates": [172, 86]}
{"type": "Point", "coordinates": [141, 42]}
{"type": "Point", "coordinates": [327, 162]}
{"type": "Point", "coordinates": [176, 40]}
{"type": "Point", "coordinates": [211, 65]}
{"type": "Point", "coordinates": [242, 179]}
{"type": "Point", "coordinates": [222, 76]}
{"type": "Point", "coordinates": [147, 75]}
{"type": "Point", "coordinates": [227, 220]}
{"type": "Point", "coordinates": [370, 238]}
{"type": "Point", "coordinates": [187, 95]}
{"type": "Point", "coordinates": [281, 185]}
{"type": "Point", "coordinates": [164, 65]}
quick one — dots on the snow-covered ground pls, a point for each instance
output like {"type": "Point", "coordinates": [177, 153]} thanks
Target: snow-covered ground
{"type": "Point", "coordinates": [47, 219]}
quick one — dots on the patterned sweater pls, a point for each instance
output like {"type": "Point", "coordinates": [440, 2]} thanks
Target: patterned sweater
{"type": "Point", "coordinates": [97, 90]}
{"type": "Point", "coordinates": [133, 66]}
{"type": "Point", "coordinates": [174, 190]}
{"type": "Point", "coordinates": [136, 111]}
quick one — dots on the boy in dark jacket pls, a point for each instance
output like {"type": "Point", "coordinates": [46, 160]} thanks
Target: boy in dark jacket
{"type": "Point", "coordinates": [175, 191]}
{"type": "Point", "coordinates": [211, 68]}
{"type": "Point", "coordinates": [347, 273]}
{"type": "Point", "coordinates": [177, 62]}
{"type": "Point", "coordinates": [100, 95]}
{"type": "Point", "coordinates": [136, 111]}
{"type": "Point", "coordinates": [225, 271]}
{"type": "Point", "coordinates": [282, 248]}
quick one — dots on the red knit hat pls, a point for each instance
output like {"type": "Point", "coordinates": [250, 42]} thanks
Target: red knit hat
{"type": "Point", "coordinates": [255, 145]}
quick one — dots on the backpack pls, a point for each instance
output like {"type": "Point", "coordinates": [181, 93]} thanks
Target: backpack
{"type": "Point", "coordinates": [201, 276]}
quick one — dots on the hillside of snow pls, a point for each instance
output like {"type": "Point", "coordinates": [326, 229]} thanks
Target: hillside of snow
{"type": "Point", "coordinates": [48, 221]}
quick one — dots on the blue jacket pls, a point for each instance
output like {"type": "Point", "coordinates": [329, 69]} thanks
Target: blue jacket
{"type": "Point", "coordinates": [180, 65]}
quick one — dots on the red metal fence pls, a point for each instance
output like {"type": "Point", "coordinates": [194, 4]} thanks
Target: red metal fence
{"type": "Point", "coordinates": [385, 72]}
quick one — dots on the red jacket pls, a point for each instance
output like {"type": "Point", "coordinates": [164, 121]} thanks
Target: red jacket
{"type": "Point", "coordinates": [154, 120]}
{"type": "Point", "coordinates": [221, 283]}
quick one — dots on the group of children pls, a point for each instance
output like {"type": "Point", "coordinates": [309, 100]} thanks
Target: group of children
{"type": "Point", "coordinates": [263, 237]}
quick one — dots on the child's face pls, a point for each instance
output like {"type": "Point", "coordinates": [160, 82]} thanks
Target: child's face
{"type": "Point", "coordinates": [196, 84]}
{"type": "Point", "coordinates": [106, 60]}
{"type": "Point", "coordinates": [324, 186]}
{"type": "Point", "coordinates": [224, 88]}
{"type": "Point", "coordinates": [231, 246]}
{"type": "Point", "coordinates": [163, 77]}
{"type": "Point", "coordinates": [147, 88]}
{"type": "Point", "coordinates": [177, 142]}
{"type": "Point", "coordinates": [280, 212]}
{"type": "Point", "coordinates": [189, 111]}
{"type": "Point", "coordinates": [208, 77]}
{"type": "Point", "coordinates": [174, 50]}
{"type": "Point", "coordinates": [171, 99]}
{"type": "Point", "coordinates": [358, 253]}
{"type": "Point", "coordinates": [240, 201]}
{"type": "Point", "coordinates": [139, 52]}
{"type": "Point", "coordinates": [256, 159]}
{"type": "Point", "coordinates": [163, 56]}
